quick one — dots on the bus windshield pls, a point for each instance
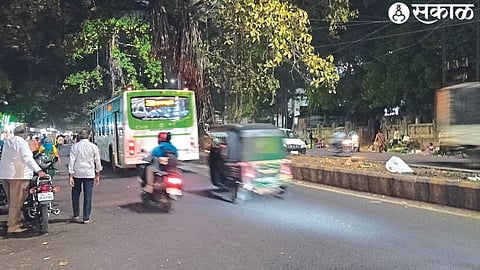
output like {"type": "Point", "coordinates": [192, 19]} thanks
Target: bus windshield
{"type": "Point", "coordinates": [154, 108]}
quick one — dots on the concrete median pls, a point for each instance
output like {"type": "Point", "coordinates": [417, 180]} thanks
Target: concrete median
{"type": "Point", "coordinates": [460, 194]}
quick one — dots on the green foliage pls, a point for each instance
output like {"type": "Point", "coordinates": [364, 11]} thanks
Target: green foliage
{"type": "Point", "coordinates": [126, 42]}
{"type": "Point", "coordinates": [339, 14]}
{"type": "Point", "coordinates": [257, 37]}
{"type": "Point", "coordinates": [85, 80]}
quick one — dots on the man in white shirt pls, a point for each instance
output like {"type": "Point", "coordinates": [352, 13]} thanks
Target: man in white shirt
{"type": "Point", "coordinates": [84, 169]}
{"type": "Point", "coordinates": [16, 170]}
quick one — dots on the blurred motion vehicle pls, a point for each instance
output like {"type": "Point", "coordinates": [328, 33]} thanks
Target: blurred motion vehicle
{"type": "Point", "coordinates": [336, 143]}
{"type": "Point", "coordinates": [342, 142]}
{"type": "Point", "coordinates": [249, 158]}
{"type": "Point", "coordinates": [458, 118]}
{"type": "Point", "coordinates": [292, 143]}
{"type": "Point", "coordinates": [351, 142]}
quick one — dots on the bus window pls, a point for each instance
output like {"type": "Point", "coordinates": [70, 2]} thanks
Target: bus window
{"type": "Point", "coordinates": [149, 108]}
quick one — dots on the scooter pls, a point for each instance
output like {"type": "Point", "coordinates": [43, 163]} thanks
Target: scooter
{"type": "Point", "coordinates": [167, 184]}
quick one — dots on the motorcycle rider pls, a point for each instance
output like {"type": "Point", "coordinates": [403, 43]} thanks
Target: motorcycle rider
{"type": "Point", "coordinates": [49, 149]}
{"type": "Point", "coordinates": [163, 149]}
{"type": "Point", "coordinates": [337, 140]}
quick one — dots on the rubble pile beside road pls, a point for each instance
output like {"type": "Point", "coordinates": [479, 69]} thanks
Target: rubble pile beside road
{"type": "Point", "coordinates": [361, 164]}
{"type": "Point", "coordinates": [449, 188]}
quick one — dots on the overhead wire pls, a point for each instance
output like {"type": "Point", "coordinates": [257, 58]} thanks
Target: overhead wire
{"type": "Point", "coordinates": [394, 35]}
{"type": "Point", "coordinates": [349, 43]}
{"type": "Point", "coordinates": [408, 46]}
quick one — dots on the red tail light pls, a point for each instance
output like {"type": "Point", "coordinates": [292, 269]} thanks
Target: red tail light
{"type": "Point", "coordinates": [45, 188]}
{"type": "Point", "coordinates": [247, 171]}
{"type": "Point", "coordinates": [173, 181]}
{"type": "Point", "coordinates": [285, 168]}
{"type": "Point", "coordinates": [131, 147]}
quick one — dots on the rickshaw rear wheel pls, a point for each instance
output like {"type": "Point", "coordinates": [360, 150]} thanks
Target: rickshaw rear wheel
{"type": "Point", "coordinates": [284, 192]}
{"type": "Point", "coordinates": [243, 194]}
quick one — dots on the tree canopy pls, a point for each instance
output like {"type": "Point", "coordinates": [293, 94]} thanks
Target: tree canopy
{"type": "Point", "coordinates": [63, 57]}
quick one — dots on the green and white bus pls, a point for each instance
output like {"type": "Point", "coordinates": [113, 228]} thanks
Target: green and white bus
{"type": "Point", "coordinates": [125, 128]}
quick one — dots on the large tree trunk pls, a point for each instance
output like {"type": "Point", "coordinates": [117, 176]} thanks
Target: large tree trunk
{"type": "Point", "coordinates": [179, 48]}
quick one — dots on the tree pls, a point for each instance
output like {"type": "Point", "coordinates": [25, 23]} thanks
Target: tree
{"type": "Point", "coordinates": [250, 40]}
{"type": "Point", "coordinates": [32, 58]}
{"type": "Point", "coordinates": [125, 42]}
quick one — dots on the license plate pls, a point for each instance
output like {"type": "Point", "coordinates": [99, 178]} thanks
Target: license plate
{"type": "Point", "coordinates": [47, 196]}
{"type": "Point", "coordinates": [174, 191]}
{"type": "Point", "coordinates": [294, 152]}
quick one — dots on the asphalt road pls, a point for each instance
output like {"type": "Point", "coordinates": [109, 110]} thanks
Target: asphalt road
{"type": "Point", "coordinates": [315, 227]}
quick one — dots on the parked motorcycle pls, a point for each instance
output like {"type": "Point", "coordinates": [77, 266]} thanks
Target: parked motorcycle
{"type": "Point", "coordinates": [167, 184]}
{"type": "Point", "coordinates": [39, 204]}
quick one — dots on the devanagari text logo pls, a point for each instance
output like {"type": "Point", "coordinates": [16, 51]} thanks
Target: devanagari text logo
{"type": "Point", "coordinates": [431, 13]}
{"type": "Point", "coordinates": [398, 13]}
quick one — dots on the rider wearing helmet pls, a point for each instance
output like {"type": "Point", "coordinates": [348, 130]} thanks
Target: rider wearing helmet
{"type": "Point", "coordinates": [49, 149]}
{"type": "Point", "coordinates": [164, 145]}
{"type": "Point", "coordinates": [163, 149]}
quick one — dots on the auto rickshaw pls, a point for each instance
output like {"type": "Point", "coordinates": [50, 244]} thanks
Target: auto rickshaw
{"type": "Point", "coordinates": [249, 158]}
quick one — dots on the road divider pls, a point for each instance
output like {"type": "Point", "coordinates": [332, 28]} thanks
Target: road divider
{"type": "Point", "coordinates": [460, 194]}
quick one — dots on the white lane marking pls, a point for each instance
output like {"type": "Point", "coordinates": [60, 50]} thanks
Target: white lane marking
{"type": "Point", "coordinates": [377, 198]}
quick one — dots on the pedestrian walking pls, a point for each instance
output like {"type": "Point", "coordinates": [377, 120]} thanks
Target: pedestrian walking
{"type": "Point", "coordinates": [379, 141]}
{"type": "Point", "coordinates": [84, 169]}
{"type": "Point", "coordinates": [17, 167]}
{"type": "Point", "coordinates": [396, 137]}
{"type": "Point", "coordinates": [60, 141]}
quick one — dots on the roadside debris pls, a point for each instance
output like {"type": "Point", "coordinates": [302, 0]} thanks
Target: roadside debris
{"type": "Point", "coordinates": [397, 165]}
{"type": "Point", "coordinates": [474, 178]}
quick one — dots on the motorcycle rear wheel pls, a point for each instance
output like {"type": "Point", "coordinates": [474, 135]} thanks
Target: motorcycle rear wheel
{"type": "Point", "coordinates": [44, 218]}
{"type": "Point", "coordinates": [233, 191]}
{"type": "Point", "coordinates": [152, 203]}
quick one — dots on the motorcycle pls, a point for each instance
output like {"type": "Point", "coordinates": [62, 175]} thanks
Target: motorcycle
{"type": "Point", "coordinates": [336, 143]}
{"type": "Point", "coordinates": [167, 184]}
{"type": "Point", "coordinates": [39, 204]}
{"type": "Point", "coordinates": [351, 142]}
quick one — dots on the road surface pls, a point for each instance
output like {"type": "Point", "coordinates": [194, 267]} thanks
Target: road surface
{"type": "Point", "coordinates": [316, 227]}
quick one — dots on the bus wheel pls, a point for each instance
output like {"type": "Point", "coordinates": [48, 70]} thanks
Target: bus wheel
{"type": "Point", "coordinates": [112, 162]}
